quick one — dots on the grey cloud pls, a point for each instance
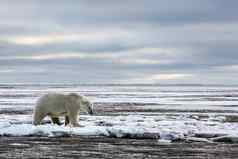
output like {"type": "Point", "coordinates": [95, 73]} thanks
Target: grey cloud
{"type": "Point", "coordinates": [63, 14]}
{"type": "Point", "coordinates": [201, 34]}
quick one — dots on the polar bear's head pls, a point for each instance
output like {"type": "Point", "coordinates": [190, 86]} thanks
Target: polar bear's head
{"type": "Point", "coordinates": [85, 104]}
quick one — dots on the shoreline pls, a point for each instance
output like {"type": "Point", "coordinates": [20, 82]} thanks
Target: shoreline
{"type": "Point", "coordinates": [101, 147]}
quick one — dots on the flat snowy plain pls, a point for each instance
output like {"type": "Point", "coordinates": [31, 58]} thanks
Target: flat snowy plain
{"type": "Point", "coordinates": [162, 113]}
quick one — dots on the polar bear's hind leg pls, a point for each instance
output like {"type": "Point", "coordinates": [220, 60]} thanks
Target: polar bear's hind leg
{"type": "Point", "coordinates": [66, 122]}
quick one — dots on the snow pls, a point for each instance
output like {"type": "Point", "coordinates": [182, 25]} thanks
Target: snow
{"type": "Point", "coordinates": [132, 126]}
{"type": "Point", "coordinates": [179, 120]}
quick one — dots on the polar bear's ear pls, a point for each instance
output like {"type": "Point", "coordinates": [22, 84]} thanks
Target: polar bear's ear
{"type": "Point", "coordinates": [74, 95]}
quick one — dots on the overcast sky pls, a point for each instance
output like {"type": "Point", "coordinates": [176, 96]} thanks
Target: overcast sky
{"type": "Point", "coordinates": [123, 41]}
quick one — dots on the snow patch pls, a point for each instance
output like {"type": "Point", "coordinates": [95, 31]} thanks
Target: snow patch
{"type": "Point", "coordinates": [132, 126]}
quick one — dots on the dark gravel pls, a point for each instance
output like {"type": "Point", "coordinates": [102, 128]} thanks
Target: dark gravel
{"type": "Point", "coordinates": [98, 147]}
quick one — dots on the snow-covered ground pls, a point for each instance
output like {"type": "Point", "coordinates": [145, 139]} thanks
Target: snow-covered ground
{"type": "Point", "coordinates": [131, 126]}
{"type": "Point", "coordinates": [179, 123]}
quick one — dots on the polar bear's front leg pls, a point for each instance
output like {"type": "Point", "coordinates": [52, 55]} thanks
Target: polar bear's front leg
{"type": "Point", "coordinates": [73, 118]}
{"type": "Point", "coordinates": [38, 117]}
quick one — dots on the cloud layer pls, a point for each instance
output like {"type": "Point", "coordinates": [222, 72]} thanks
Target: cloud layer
{"type": "Point", "coordinates": [155, 41]}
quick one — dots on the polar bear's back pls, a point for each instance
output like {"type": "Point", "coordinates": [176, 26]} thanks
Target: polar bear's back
{"type": "Point", "coordinates": [51, 102]}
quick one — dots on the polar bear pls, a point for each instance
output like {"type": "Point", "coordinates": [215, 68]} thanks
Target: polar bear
{"type": "Point", "coordinates": [55, 105]}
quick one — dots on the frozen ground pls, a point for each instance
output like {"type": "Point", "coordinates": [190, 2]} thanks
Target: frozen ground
{"type": "Point", "coordinates": [162, 114]}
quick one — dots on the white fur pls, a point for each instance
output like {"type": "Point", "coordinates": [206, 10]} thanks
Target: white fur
{"type": "Point", "coordinates": [55, 105]}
